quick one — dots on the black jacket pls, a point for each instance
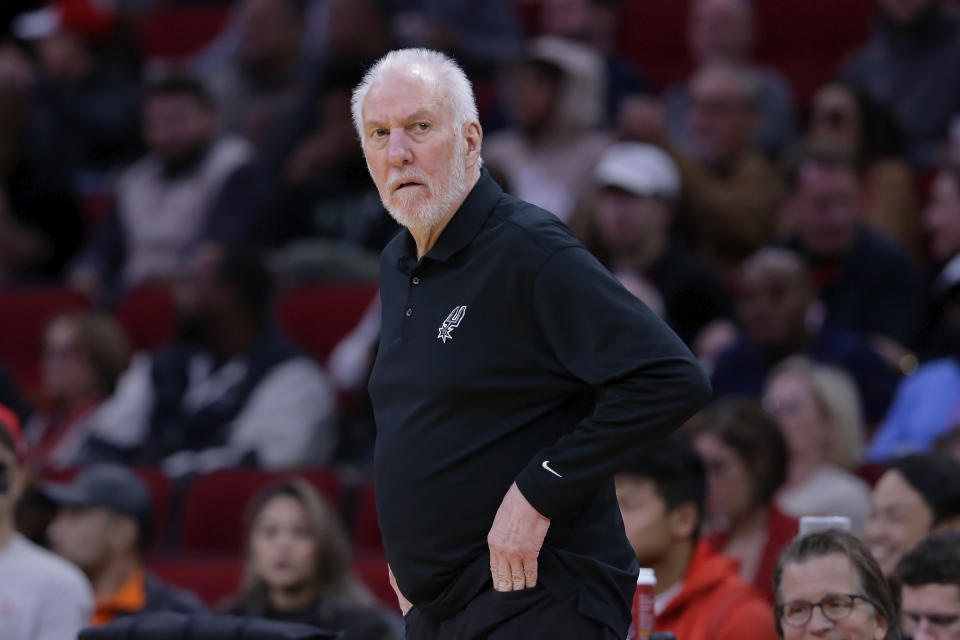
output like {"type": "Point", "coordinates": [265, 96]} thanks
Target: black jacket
{"type": "Point", "coordinates": [509, 354]}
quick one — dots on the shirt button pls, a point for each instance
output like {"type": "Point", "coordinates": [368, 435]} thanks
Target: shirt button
{"type": "Point", "coordinates": [409, 311]}
{"type": "Point", "coordinates": [416, 280]}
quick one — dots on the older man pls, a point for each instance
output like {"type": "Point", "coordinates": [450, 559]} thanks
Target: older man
{"type": "Point", "coordinates": [515, 376]}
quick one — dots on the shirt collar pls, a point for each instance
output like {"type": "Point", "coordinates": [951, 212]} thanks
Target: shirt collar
{"type": "Point", "coordinates": [466, 222]}
{"type": "Point", "coordinates": [130, 598]}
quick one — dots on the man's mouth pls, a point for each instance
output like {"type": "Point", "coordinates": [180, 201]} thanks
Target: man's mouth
{"type": "Point", "coordinates": [406, 184]}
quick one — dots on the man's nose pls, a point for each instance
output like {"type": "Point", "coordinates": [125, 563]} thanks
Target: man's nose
{"type": "Point", "coordinates": [398, 149]}
{"type": "Point", "coordinates": [818, 623]}
{"type": "Point", "coordinates": [924, 631]}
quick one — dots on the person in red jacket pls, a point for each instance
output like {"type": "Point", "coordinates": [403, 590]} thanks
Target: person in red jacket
{"type": "Point", "coordinates": [699, 593]}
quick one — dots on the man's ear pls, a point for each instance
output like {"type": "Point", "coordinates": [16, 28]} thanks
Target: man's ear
{"type": "Point", "coordinates": [473, 134]}
{"type": "Point", "coordinates": [683, 520]}
{"type": "Point", "coordinates": [17, 481]}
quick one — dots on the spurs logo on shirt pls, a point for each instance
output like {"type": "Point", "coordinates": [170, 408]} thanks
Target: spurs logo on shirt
{"type": "Point", "coordinates": [452, 322]}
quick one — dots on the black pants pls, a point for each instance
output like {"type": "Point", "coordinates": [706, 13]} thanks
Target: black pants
{"type": "Point", "coordinates": [531, 614]}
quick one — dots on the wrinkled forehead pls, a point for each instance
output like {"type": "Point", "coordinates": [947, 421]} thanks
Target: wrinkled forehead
{"type": "Point", "coordinates": [400, 92]}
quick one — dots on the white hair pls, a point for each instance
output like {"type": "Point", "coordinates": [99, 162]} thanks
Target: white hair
{"type": "Point", "coordinates": [456, 86]}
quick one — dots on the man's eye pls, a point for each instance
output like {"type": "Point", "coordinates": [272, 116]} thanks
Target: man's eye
{"type": "Point", "coordinates": [422, 126]}
{"type": "Point", "coordinates": [378, 133]}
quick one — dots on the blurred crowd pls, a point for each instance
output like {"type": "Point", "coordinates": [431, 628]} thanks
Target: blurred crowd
{"type": "Point", "coordinates": [808, 252]}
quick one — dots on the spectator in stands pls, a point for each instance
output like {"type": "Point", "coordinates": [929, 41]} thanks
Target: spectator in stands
{"type": "Point", "coordinates": [480, 40]}
{"type": "Point", "coordinates": [778, 312]}
{"type": "Point", "coordinates": [930, 588]}
{"type": "Point", "coordinates": [927, 403]}
{"type": "Point", "coordinates": [724, 31]}
{"type": "Point", "coordinates": [629, 229]}
{"type": "Point", "coordinates": [298, 568]}
{"type": "Point", "coordinates": [270, 72]}
{"type": "Point", "coordinates": [916, 496]}
{"type": "Point", "coordinates": [867, 283]}
{"type": "Point", "coordinates": [86, 91]}
{"type": "Point", "coordinates": [104, 526]}
{"type": "Point", "coordinates": [164, 200]}
{"type": "Point", "coordinates": [803, 398]}
{"type": "Point", "coordinates": [746, 459]}
{"type": "Point", "coordinates": [555, 100]}
{"type": "Point", "coordinates": [41, 596]}
{"type": "Point", "coordinates": [908, 65]}
{"type": "Point", "coordinates": [327, 192]}
{"type": "Point", "coordinates": [41, 226]}
{"type": "Point", "coordinates": [699, 593]}
{"type": "Point", "coordinates": [845, 117]}
{"type": "Point", "coordinates": [84, 354]}
{"type": "Point", "coordinates": [229, 390]}
{"type": "Point", "coordinates": [730, 193]}
{"type": "Point", "coordinates": [828, 586]}
{"type": "Point", "coordinates": [595, 23]}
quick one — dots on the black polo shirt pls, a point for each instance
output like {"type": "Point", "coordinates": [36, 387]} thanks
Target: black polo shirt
{"type": "Point", "coordinates": [508, 353]}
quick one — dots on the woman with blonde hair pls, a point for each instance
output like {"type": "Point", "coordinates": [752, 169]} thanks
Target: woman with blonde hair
{"type": "Point", "coordinates": [298, 567]}
{"type": "Point", "coordinates": [817, 409]}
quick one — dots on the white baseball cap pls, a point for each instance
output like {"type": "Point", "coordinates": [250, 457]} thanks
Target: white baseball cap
{"type": "Point", "coordinates": [642, 169]}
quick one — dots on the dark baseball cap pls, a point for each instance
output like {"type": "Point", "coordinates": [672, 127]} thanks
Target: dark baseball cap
{"type": "Point", "coordinates": [111, 486]}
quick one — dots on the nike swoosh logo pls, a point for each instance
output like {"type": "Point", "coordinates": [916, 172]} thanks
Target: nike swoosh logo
{"type": "Point", "coordinates": [546, 465]}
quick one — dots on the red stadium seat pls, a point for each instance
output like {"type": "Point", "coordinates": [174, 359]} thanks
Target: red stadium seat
{"type": "Point", "coordinates": [372, 571]}
{"type": "Point", "coordinates": [216, 503]}
{"type": "Point", "coordinates": [213, 578]}
{"type": "Point", "coordinates": [147, 314]}
{"type": "Point", "coordinates": [805, 40]}
{"type": "Point", "coordinates": [26, 313]}
{"type": "Point", "coordinates": [176, 32]}
{"type": "Point", "coordinates": [366, 528]}
{"type": "Point", "coordinates": [318, 316]}
{"type": "Point", "coordinates": [161, 494]}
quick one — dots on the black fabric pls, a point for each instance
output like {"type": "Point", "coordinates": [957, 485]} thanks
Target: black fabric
{"type": "Point", "coordinates": [531, 614]}
{"type": "Point", "coordinates": [692, 295]}
{"type": "Point", "coordinates": [354, 621]}
{"type": "Point", "coordinates": [166, 597]}
{"type": "Point", "coordinates": [551, 375]}
{"type": "Point", "coordinates": [167, 626]}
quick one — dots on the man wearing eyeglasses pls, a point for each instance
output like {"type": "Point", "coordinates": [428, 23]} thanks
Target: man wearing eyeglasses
{"type": "Point", "coordinates": [829, 587]}
{"type": "Point", "coordinates": [930, 577]}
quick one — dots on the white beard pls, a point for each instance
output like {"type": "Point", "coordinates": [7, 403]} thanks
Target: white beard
{"type": "Point", "coordinates": [441, 201]}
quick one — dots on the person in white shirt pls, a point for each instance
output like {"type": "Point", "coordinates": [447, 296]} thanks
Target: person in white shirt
{"type": "Point", "coordinates": [42, 597]}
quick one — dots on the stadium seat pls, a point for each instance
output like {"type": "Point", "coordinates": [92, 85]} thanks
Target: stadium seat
{"type": "Point", "coordinates": [366, 529]}
{"type": "Point", "coordinates": [318, 316]}
{"type": "Point", "coordinates": [174, 32]}
{"type": "Point", "coordinates": [805, 40]}
{"type": "Point", "coordinates": [161, 494]}
{"type": "Point", "coordinates": [147, 314]}
{"type": "Point", "coordinates": [26, 314]}
{"type": "Point", "coordinates": [215, 505]}
{"type": "Point", "coordinates": [212, 577]}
